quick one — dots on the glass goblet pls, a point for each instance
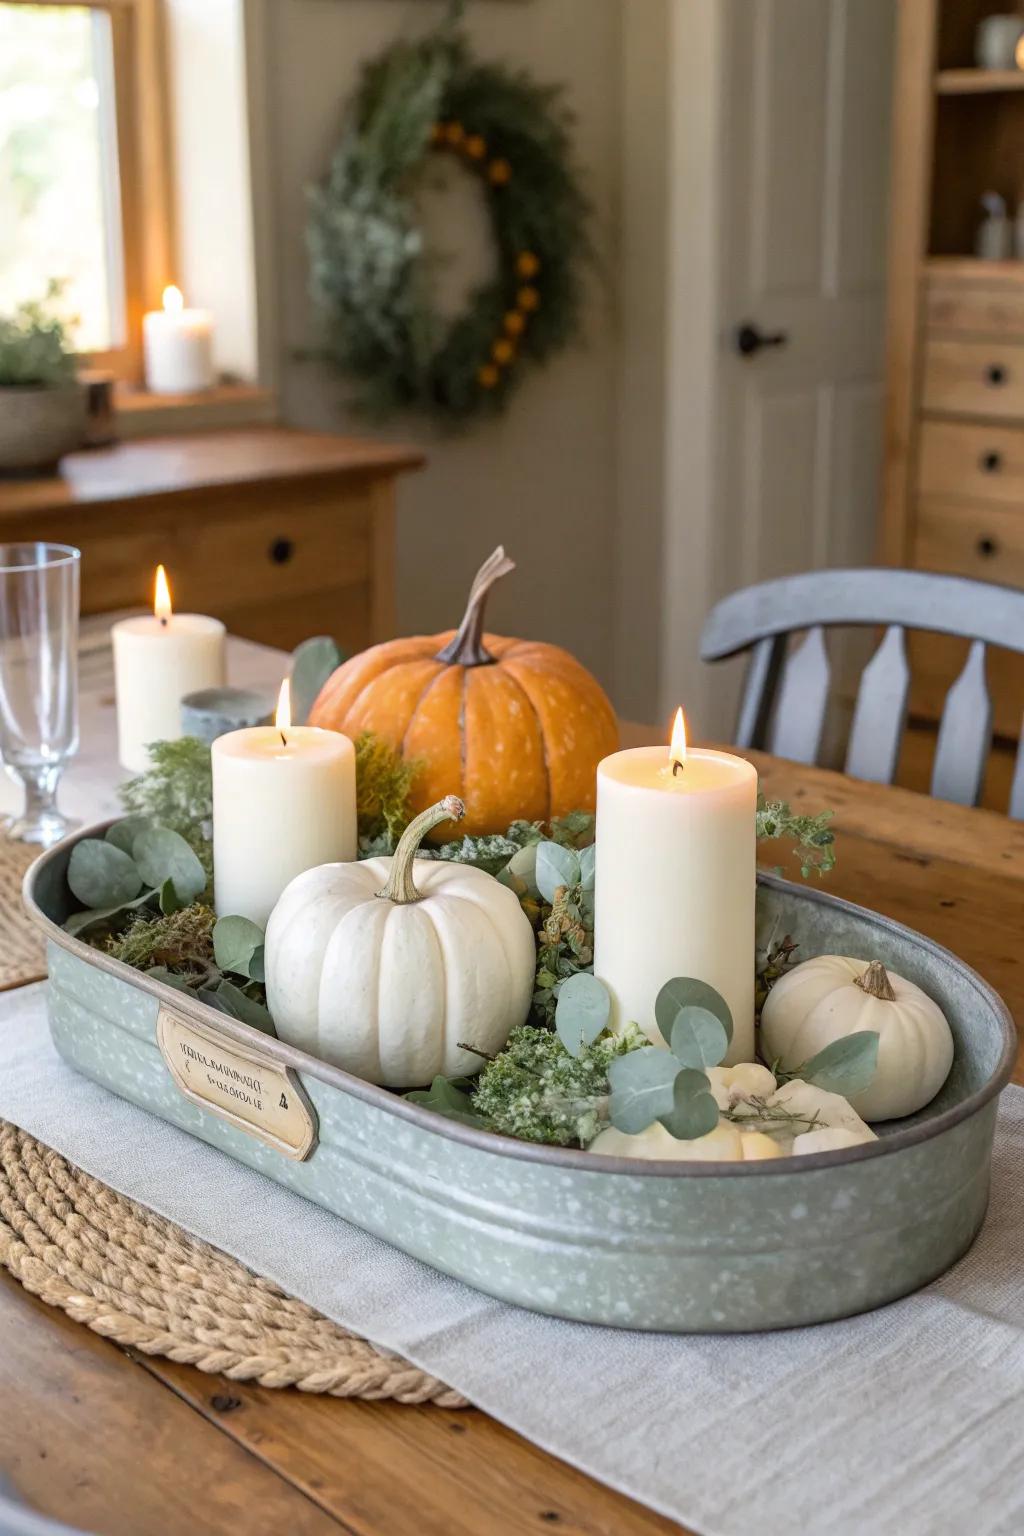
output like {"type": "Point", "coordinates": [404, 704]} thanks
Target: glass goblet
{"type": "Point", "coordinates": [39, 597]}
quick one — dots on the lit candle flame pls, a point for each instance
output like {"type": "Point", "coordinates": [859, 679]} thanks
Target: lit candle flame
{"type": "Point", "coordinates": [1018, 53]}
{"type": "Point", "coordinates": [677, 751]}
{"type": "Point", "coordinates": [174, 301]}
{"type": "Point", "coordinates": [283, 718]}
{"type": "Point", "coordinates": [162, 596]}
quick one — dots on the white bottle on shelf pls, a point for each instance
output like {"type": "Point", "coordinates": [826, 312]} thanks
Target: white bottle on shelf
{"type": "Point", "coordinates": [994, 238]}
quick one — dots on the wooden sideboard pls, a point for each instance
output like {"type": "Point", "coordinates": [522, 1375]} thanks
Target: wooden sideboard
{"type": "Point", "coordinates": [954, 481]}
{"type": "Point", "coordinates": [280, 533]}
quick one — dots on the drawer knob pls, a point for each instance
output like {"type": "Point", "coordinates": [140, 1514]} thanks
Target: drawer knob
{"type": "Point", "coordinates": [991, 462]}
{"type": "Point", "coordinates": [987, 548]}
{"type": "Point", "coordinates": [996, 374]}
{"type": "Point", "coordinates": [281, 551]}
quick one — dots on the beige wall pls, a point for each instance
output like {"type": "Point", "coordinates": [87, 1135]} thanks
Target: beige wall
{"type": "Point", "coordinates": [542, 480]}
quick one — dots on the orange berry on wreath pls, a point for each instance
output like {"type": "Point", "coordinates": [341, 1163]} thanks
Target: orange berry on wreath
{"type": "Point", "coordinates": [488, 376]}
{"type": "Point", "coordinates": [455, 133]}
{"type": "Point", "coordinates": [528, 299]}
{"type": "Point", "coordinates": [503, 351]}
{"type": "Point", "coordinates": [514, 323]}
{"type": "Point", "coordinates": [527, 264]}
{"type": "Point", "coordinates": [437, 133]}
{"type": "Point", "coordinates": [476, 146]}
{"type": "Point", "coordinates": [499, 173]}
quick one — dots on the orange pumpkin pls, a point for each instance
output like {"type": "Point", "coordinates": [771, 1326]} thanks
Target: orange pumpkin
{"type": "Point", "coordinates": [514, 727]}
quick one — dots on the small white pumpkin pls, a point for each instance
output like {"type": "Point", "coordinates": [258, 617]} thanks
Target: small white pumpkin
{"type": "Point", "coordinates": [833, 996]}
{"type": "Point", "coordinates": [831, 1138]}
{"type": "Point", "coordinates": [746, 1080]}
{"type": "Point", "coordinates": [384, 975]}
{"type": "Point", "coordinates": [725, 1144]}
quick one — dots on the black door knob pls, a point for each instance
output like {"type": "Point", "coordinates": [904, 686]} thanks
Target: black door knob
{"type": "Point", "coordinates": [749, 339]}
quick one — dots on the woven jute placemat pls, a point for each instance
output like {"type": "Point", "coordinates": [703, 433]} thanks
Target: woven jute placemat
{"type": "Point", "coordinates": [132, 1276]}
{"type": "Point", "coordinates": [22, 949]}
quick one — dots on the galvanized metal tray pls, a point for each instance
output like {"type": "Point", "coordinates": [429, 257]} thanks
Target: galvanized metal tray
{"type": "Point", "coordinates": [684, 1247]}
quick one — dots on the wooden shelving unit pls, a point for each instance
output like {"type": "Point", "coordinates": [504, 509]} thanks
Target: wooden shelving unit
{"type": "Point", "coordinates": [954, 485]}
{"type": "Point", "coordinates": [975, 82]}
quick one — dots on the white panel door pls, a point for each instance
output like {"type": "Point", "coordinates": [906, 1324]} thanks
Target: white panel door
{"type": "Point", "coordinates": [806, 112]}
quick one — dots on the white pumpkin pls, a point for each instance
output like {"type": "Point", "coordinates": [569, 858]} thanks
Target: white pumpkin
{"type": "Point", "coordinates": [801, 1109]}
{"type": "Point", "coordinates": [746, 1080]}
{"type": "Point", "coordinates": [384, 975]}
{"type": "Point", "coordinates": [831, 1138]}
{"type": "Point", "coordinates": [725, 1144]}
{"type": "Point", "coordinates": [832, 996]}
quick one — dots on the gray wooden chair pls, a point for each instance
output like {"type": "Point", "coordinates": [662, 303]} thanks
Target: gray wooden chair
{"type": "Point", "coordinates": [786, 690]}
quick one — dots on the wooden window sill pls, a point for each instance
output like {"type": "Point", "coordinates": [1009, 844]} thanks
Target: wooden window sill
{"type": "Point", "coordinates": [141, 414]}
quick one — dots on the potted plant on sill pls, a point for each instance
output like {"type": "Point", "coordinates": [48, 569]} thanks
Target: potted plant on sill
{"type": "Point", "coordinates": [42, 403]}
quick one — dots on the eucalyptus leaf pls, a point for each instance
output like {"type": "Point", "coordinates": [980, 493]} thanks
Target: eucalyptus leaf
{"type": "Point", "coordinates": [124, 832]}
{"type": "Point", "coordinates": [236, 942]}
{"type": "Point", "coordinates": [698, 1038]}
{"type": "Point", "coordinates": [556, 866]}
{"type": "Point", "coordinates": [164, 855]}
{"type": "Point", "coordinates": [694, 1112]}
{"type": "Point", "coordinates": [689, 992]}
{"type": "Point", "coordinates": [257, 965]}
{"type": "Point", "coordinates": [229, 999]}
{"type": "Point", "coordinates": [588, 861]}
{"type": "Point", "coordinates": [313, 662]}
{"type": "Point", "coordinates": [107, 917]}
{"type": "Point", "coordinates": [847, 1066]}
{"type": "Point", "coordinates": [102, 875]}
{"type": "Point", "coordinates": [169, 978]}
{"type": "Point", "coordinates": [169, 900]}
{"type": "Point", "coordinates": [444, 1098]}
{"type": "Point", "coordinates": [582, 1011]}
{"type": "Point", "coordinates": [641, 1088]}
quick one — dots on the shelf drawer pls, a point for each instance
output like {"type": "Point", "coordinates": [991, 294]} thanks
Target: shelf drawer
{"type": "Point", "coordinates": [979, 463]}
{"type": "Point", "coordinates": [974, 378]}
{"type": "Point", "coordinates": [967, 539]}
{"type": "Point", "coordinates": [976, 308]}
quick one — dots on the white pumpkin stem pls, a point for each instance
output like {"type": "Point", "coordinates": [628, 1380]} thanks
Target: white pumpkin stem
{"type": "Point", "coordinates": [875, 982]}
{"type": "Point", "coordinates": [466, 647]}
{"type": "Point", "coordinates": [401, 888]}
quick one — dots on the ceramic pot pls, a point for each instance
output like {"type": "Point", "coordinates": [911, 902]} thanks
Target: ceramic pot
{"type": "Point", "coordinates": [39, 425]}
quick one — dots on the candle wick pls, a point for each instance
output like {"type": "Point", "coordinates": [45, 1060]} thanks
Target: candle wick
{"type": "Point", "coordinates": [163, 621]}
{"type": "Point", "coordinates": [677, 767]}
{"type": "Point", "coordinates": [284, 739]}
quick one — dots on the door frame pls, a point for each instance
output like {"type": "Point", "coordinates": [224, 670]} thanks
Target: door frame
{"type": "Point", "coordinates": [674, 83]}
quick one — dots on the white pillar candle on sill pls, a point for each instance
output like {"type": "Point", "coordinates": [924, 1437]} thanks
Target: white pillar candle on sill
{"type": "Point", "coordinates": [284, 801]}
{"type": "Point", "coordinates": [158, 658]}
{"type": "Point", "coordinates": [177, 345]}
{"type": "Point", "coordinates": [675, 873]}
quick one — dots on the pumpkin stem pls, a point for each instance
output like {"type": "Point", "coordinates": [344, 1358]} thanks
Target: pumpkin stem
{"type": "Point", "coordinates": [466, 647]}
{"type": "Point", "coordinates": [401, 887]}
{"type": "Point", "coordinates": [875, 982]}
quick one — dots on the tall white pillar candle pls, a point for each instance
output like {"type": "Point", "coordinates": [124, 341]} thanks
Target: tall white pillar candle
{"type": "Point", "coordinates": [284, 801]}
{"type": "Point", "coordinates": [177, 346]}
{"type": "Point", "coordinates": [158, 658]}
{"type": "Point", "coordinates": [676, 872]}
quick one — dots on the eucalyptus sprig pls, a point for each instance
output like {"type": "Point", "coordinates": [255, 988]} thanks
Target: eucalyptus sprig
{"type": "Point", "coordinates": [672, 1087]}
{"type": "Point", "coordinates": [813, 836]}
{"type": "Point", "coordinates": [219, 961]}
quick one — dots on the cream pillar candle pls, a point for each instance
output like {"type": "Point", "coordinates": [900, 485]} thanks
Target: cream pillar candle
{"type": "Point", "coordinates": [177, 345]}
{"type": "Point", "coordinates": [158, 658]}
{"type": "Point", "coordinates": [676, 868]}
{"type": "Point", "coordinates": [284, 801]}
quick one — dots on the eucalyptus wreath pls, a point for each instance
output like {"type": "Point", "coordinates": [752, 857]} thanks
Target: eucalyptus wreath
{"type": "Point", "coordinates": [370, 273]}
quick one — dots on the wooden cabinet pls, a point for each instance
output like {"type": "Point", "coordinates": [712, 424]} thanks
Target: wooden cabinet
{"type": "Point", "coordinates": [281, 534]}
{"type": "Point", "coordinates": [954, 476]}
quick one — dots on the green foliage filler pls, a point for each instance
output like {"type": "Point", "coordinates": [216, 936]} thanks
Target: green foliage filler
{"type": "Point", "coordinates": [383, 781]}
{"type": "Point", "coordinates": [177, 792]}
{"type": "Point", "coordinates": [34, 345]}
{"type": "Point", "coordinates": [182, 941]}
{"type": "Point", "coordinates": [537, 1091]}
{"type": "Point", "coordinates": [370, 275]}
{"type": "Point", "coordinates": [814, 837]}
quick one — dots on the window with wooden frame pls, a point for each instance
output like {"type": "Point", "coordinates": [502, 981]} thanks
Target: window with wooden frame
{"type": "Point", "coordinates": [85, 173]}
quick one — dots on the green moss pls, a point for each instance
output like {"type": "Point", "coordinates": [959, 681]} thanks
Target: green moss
{"type": "Point", "coordinates": [181, 942]}
{"type": "Point", "coordinates": [384, 780]}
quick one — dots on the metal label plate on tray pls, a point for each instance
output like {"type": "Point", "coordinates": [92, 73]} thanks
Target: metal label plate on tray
{"type": "Point", "coordinates": [239, 1083]}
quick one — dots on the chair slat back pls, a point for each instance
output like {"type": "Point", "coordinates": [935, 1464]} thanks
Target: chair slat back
{"type": "Point", "coordinates": [965, 734]}
{"type": "Point", "coordinates": [880, 712]}
{"type": "Point", "coordinates": [785, 695]}
{"type": "Point", "coordinates": [803, 700]}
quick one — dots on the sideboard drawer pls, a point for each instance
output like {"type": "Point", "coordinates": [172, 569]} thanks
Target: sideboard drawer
{"type": "Point", "coordinates": [963, 459]}
{"type": "Point", "coordinates": [967, 539]}
{"type": "Point", "coordinates": [976, 308]}
{"type": "Point", "coordinates": [974, 378]}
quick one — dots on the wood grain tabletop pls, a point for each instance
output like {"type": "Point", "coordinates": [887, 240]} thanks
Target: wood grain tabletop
{"type": "Point", "coordinates": [122, 1445]}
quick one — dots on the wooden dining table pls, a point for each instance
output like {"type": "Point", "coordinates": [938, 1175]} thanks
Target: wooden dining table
{"type": "Point", "coordinates": [122, 1444]}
